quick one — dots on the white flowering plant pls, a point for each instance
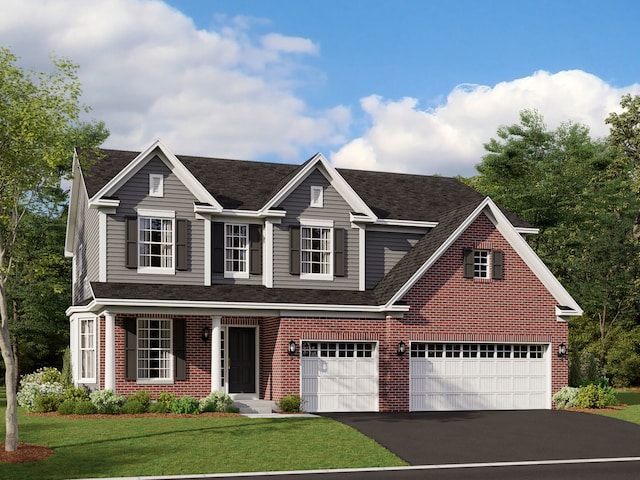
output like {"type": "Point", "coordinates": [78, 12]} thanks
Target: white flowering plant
{"type": "Point", "coordinates": [41, 391]}
{"type": "Point", "coordinates": [216, 401]}
{"type": "Point", "coordinates": [106, 401]}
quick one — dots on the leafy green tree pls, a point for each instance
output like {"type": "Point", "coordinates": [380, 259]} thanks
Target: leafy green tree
{"type": "Point", "coordinates": [39, 126]}
{"type": "Point", "coordinates": [577, 191]}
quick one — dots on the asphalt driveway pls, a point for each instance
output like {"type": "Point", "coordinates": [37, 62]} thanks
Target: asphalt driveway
{"type": "Point", "coordinates": [434, 438]}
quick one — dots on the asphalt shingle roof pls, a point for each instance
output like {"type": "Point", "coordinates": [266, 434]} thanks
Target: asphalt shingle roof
{"type": "Point", "coordinates": [247, 185]}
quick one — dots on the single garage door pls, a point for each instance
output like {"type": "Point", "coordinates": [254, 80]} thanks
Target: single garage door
{"type": "Point", "coordinates": [469, 376]}
{"type": "Point", "coordinates": [339, 376]}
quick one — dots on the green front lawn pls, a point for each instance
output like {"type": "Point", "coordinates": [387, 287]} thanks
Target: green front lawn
{"type": "Point", "coordinates": [630, 414]}
{"type": "Point", "coordinates": [125, 446]}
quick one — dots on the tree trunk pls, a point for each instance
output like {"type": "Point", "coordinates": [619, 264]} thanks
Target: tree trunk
{"type": "Point", "coordinates": [11, 377]}
{"type": "Point", "coordinates": [636, 227]}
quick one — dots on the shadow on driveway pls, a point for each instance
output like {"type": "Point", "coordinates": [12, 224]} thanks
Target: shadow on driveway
{"type": "Point", "coordinates": [432, 438]}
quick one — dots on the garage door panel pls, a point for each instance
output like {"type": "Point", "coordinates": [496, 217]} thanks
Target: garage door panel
{"type": "Point", "coordinates": [478, 377]}
{"type": "Point", "coordinates": [339, 376]}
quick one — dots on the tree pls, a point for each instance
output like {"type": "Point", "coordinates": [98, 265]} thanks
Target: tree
{"type": "Point", "coordinates": [577, 191]}
{"type": "Point", "coordinates": [39, 125]}
{"type": "Point", "coordinates": [624, 135]}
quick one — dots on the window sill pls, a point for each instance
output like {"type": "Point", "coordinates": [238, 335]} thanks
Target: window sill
{"type": "Point", "coordinates": [162, 381]}
{"type": "Point", "coordinates": [156, 271]}
{"type": "Point", "coordinates": [241, 275]}
{"type": "Point", "coordinates": [316, 276]}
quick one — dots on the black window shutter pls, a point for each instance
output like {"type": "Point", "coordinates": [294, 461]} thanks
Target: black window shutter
{"type": "Point", "coordinates": [217, 246]}
{"type": "Point", "coordinates": [255, 249]}
{"type": "Point", "coordinates": [498, 264]}
{"type": "Point", "coordinates": [180, 348]}
{"type": "Point", "coordinates": [468, 263]}
{"type": "Point", "coordinates": [130, 349]}
{"type": "Point", "coordinates": [338, 252]}
{"type": "Point", "coordinates": [182, 228]}
{"type": "Point", "coordinates": [294, 248]}
{"type": "Point", "coordinates": [131, 242]}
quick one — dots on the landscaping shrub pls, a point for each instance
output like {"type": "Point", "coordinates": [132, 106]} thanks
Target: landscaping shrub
{"type": "Point", "coordinates": [41, 390]}
{"type": "Point", "coordinates": [167, 399]}
{"type": "Point", "coordinates": [132, 406]}
{"type": "Point", "coordinates": [216, 402]}
{"type": "Point", "coordinates": [73, 393]}
{"type": "Point", "coordinates": [106, 401]}
{"type": "Point", "coordinates": [186, 404]}
{"type": "Point", "coordinates": [566, 397]}
{"type": "Point", "coordinates": [291, 403]}
{"type": "Point", "coordinates": [65, 375]}
{"type": "Point", "coordinates": [85, 407]}
{"type": "Point", "coordinates": [159, 407]}
{"type": "Point", "coordinates": [143, 397]}
{"type": "Point", "coordinates": [68, 407]}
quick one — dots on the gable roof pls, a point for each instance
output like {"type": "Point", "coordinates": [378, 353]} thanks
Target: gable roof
{"type": "Point", "coordinates": [435, 243]}
{"type": "Point", "coordinates": [249, 185]}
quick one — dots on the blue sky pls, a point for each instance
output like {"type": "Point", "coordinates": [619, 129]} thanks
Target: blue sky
{"type": "Point", "coordinates": [407, 85]}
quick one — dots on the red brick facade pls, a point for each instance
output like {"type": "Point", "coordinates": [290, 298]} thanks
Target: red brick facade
{"type": "Point", "coordinates": [445, 306]}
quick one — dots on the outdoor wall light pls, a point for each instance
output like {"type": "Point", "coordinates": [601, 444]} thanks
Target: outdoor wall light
{"type": "Point", "coordinates": [206, 333]}
{"type": "Point", "coordinates": [401, 348]}
{"type": "Point", "coordinates": [291, 349]}
{"type": "Point", "coordinates": [562, 350]}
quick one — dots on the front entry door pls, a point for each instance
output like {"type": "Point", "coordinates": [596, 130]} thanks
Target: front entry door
{"type": "Point", "coordinates": [242, 360]}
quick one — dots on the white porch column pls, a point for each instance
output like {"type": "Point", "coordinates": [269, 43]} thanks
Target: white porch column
{"type": "Point", "coordinates": [109, 351]}
{"type": "Point", "coordinates": [216, 352]}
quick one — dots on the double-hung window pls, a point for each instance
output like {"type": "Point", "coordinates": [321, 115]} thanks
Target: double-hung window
{"type": "Point", "coordinates": [154, 349]}
{"type": "Point", "coordinates": [156, 240]}
{"type": "Point", "coordinates": [236, 248]}
{"type": "Point", "coordinates": [87, 350]}
{"type": "Point", "coordinates": [484, 264]}
{"type": "Point", "coordinates": [316, 250]}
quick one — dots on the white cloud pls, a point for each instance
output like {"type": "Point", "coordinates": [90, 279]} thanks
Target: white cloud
{"type": "Point", "coordinates": [449, 139]}
{"type": "Point", "coordinates": [149, 72]}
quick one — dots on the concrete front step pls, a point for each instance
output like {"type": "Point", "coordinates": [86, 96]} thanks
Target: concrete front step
{"type": "Point", "coordinates": [255, 406]}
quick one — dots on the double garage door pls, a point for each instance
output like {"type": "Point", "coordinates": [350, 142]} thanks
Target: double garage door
{"type": "Point", "coordinates": [343, 376]}
{"type": "Point", "coordinates": [468, 376]}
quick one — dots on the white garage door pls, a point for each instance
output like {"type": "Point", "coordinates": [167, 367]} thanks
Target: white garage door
{"type": "Point", "coordinates": [466, 376]}
{"type": "Point", "coordinates": [339, 376]}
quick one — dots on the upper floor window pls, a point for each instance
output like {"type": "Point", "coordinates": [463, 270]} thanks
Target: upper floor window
{"type": "Point", "coordinates": [156, 242]}
{"type": "Point", "coordinates": [156, 185]}
{"type": "Point", "coordinates": [236, 240]}
{"type": "Point", "coordinates": [483, 264]}
{"type": "Point", "coordinates": [317, 196]}
{"type": "Point", "coordinates": [87, 349]}
{"type": "Point", "coordinates": [317, 250]}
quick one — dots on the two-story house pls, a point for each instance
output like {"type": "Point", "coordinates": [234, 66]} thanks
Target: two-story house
{"type": "Point", "coordinates": [359, 290]}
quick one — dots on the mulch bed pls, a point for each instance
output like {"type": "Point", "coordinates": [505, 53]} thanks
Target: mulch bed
{"type": "Point", "coordinates": [609, 409]}
{"type": "Point", "coordinates": [26, 452]}
{"type": "Point", "coordinates": [135, 415]}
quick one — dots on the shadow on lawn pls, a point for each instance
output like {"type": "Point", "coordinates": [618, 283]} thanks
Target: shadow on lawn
{"type": "Point", "coordinates": [235, 429]}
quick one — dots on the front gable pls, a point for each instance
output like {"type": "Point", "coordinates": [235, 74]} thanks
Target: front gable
{"type": "Point", "coordinates": [414, 266]}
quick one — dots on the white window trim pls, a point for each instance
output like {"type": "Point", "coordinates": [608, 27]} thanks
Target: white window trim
{"type": "Point", "coordinates": [164, 214]}
{"type": "Point", "coordinates": [318, 223]}
{"type": "Point", "coordinates": [155, 381]}
{"type": "Point", "coordinates": [81, 378]}
{"type": "Point", "coordinates": [233, 274]}
{"type": "Point", "coordinates": [487, 265]}
{"type": "Point", "coordinates": [156, 179]}
{"type": "Point", "coordinates": [317, 196]}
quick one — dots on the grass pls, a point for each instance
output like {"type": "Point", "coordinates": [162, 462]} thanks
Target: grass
{"type": "Point", "coordinates": [125, 446]}
{"type": "Point", "coordinates": [630, 414]}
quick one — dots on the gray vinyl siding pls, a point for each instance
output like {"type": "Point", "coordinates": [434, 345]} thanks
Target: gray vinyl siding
{"type": "Point", "coordinates": [383, 251]}
{"type": "Point", "coordinates": [135, 194]}
{"type": "Point", "coordinates": [85, 255]}
{"type": "Point", "coordinates": [334, 208]}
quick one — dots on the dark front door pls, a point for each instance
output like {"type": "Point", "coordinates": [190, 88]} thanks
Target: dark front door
{"type": "Point", "coordinates": [242, 360]}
